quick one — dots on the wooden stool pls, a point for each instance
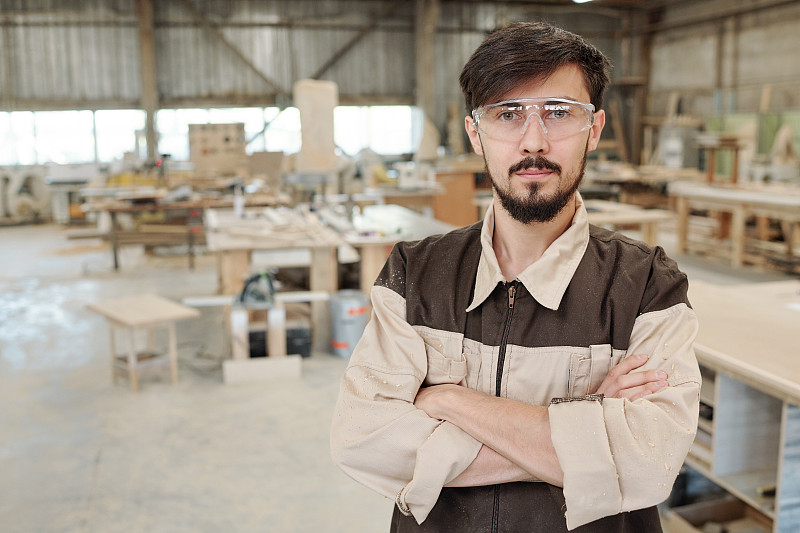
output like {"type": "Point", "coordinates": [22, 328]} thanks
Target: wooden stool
{"type": "Point", "coordinates": [135, 312]}
{"type": "Point", "coordinates": [711, 143]}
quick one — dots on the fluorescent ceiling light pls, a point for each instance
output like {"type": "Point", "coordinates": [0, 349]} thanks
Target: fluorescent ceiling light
{"type": "Point", "coordinates": [581, 1]}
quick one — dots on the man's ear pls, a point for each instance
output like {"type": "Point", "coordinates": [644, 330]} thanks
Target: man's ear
{"type": "Point", "coordinates": [472, 132]}
{"type": "Point", "coordinates": [597, 128]}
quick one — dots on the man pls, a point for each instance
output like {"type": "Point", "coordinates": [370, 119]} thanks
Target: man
{"type": "Point", "coordinates": [530, 373]}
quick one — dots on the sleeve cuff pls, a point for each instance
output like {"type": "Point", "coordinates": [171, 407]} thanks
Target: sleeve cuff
{"type": "Point", "coordinates": [447, 453]}
{"type": "Point", "coordinates": [578, 432]}
{"type": "Point", "coordinates": [587, 398]}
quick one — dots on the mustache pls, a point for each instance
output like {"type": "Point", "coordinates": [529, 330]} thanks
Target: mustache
{"type": "Point", "coordinates": [534, 162]}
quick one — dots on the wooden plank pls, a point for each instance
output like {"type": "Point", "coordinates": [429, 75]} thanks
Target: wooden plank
{"type": "Point", "coordinates": [143, 310]}
{"type": "Point", "coordinates": [683, 223]}
{"type": "Point", "coordinates": [240, 341]}
{"type": "Point", "coordinates": [221, 300]}
{"type": "Point", "coordinates": [276, 331]}
{"type": "Point", "coordinates": [456, 206]}
{"type": "Point", "coordinates": [373, 257]}
{"type": "Point", "coordinates": [233, 267]}
{"type": "Point", "coordinates": [632, 216]}
{"type": "Point", "coordinates": [737, 236]}
{"type": "Point", "coordinates": [257, 369]}
{"type": "Point", "coordinates": [86, 233]}
{"type": "Point", "coordinates": [324, 278]}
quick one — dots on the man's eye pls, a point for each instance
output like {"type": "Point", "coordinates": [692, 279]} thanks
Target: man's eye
{"type": "Point", "coordinates": [558, 112]}
{"type": "Point", "coordinates": [507, 115]}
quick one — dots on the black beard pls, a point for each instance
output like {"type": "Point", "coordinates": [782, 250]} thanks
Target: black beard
{"type": "Point", "coordinates": [535, 207]}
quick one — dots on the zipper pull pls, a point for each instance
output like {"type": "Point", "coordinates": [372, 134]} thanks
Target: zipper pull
{"type": "Point", "coordinates": [512, 292]}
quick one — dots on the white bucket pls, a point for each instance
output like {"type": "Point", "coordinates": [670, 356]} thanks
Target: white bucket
{"type": "Point", "coordinates": [349, 315]}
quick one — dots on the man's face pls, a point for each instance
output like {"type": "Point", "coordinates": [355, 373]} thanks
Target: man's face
{"type": "Point", "coordinates": [534, 177]}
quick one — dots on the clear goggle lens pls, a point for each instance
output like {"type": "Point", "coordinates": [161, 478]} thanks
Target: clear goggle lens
{"type": "Point", "coordinates": [509, 120]}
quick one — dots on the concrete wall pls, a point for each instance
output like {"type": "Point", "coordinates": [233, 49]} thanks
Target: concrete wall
{"type": "Point", "coordinates": [726, 57]}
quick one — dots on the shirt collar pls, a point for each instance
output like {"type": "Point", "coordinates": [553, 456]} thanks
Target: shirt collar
{"type": "Point", "coordinates": [548, 277]}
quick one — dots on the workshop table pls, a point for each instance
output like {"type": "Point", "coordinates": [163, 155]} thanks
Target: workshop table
{"type": "Point", "coordinates": [233, 240]}
{"type": "Point", "coordinates": [188, 232]}
{"type": "Point", "coordinates": [607, 213]}
{"type": "Point", "coordinates": [141, 312]}
{"type": "Point", "coordinates": [615, 214]}
{"type": "Point", "coordinates": [780, 202]}
{"type": "Point", "coordinates": [377, 228]}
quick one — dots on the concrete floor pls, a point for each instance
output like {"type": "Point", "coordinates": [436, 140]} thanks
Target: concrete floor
{"type": "Point", "coordinates": [78, 454]}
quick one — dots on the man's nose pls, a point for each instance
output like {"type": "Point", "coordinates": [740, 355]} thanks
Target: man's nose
{"type": "Point", "coordinates": [534, 135]}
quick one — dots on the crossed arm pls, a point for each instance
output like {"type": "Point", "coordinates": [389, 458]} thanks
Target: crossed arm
{"type": "Point", "coordinates": [516, 436]}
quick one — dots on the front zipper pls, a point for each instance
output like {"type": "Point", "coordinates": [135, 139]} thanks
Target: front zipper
{"type": "Point", "coordinates": [512, 293]}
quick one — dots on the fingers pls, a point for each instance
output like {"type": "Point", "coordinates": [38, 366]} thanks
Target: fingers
{"type": "Point", "coordinates": [629, 363]}
{"type": "Point", "coordinates": [624, 382]}
{"type": "Point", "coordinates": [610, 385]}
{"type": "Point", "coordinates": [636, 379]}
{"type": "Point", "coordinates": [647, 389]}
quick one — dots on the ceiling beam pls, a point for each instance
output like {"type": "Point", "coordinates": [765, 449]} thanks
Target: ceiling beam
{"type": "Point", "coordinates": [388, 8]}
{"type": "Point", "coordinates": [719, 15]}
{"type": "Point", "coordinates": [147, 74]}
{"type": "Point", "coordinates": [212, 29]}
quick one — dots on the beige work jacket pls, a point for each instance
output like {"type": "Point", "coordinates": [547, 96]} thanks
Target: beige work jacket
{"type": "Point", "coordinates": [440, 315]}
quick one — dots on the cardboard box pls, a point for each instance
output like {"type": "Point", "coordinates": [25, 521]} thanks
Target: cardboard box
{"type": "Point", "coordinates": [218, 148]}
{"type": "Point", "coordinates": [725, 515]}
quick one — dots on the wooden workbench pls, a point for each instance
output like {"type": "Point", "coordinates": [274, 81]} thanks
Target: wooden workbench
{"type": "Point", "coordinates": [234, 239]}
{"type": "Point", "coordinates": [779, 202]}
{"type": "Point", "coordinates": [642, 185]}
{"type": "Point", "coordinates": [377, 228]}
{"type": "Point", "coordinates": [614, 214]}
{"type": "Point", "coordinates": [190, 212]}
{"type": "Point", "coordinates": [748, 351]}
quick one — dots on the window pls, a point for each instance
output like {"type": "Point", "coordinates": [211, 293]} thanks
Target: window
{"type": "Point", "coordinates": [283, 133]}
{"type": "Point", "coordinates": [116, 132]}
{"type": "Point", "coordinates": [28, 138]}
{"type": "Point", "coordinates": [64, 136]}
{"type": "Point", "coordinates": [351, 128]}
{"type": "Point", "coordinates": [173, 127]}
{"type": "Point", "coordinates": [388, 130]}
{"type": "Point", "coordinates": [173, 130]}
{"type": "Point", "coordinates": [17, 140]}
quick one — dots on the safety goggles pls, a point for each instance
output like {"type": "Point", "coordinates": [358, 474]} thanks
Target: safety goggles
{"type": "Point", "coordinates": [508, 120]}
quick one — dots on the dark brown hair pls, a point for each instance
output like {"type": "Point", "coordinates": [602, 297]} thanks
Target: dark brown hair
{"type": "Point", "coordinates": [528, 51]}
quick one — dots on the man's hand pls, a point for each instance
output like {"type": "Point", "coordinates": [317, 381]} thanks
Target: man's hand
{"type": "Point", "coordinates": [622, 382]}
{"type": "Point", "coordinates": [519, 433]}
{"type": "Point", "coordinates": [499, 422]}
